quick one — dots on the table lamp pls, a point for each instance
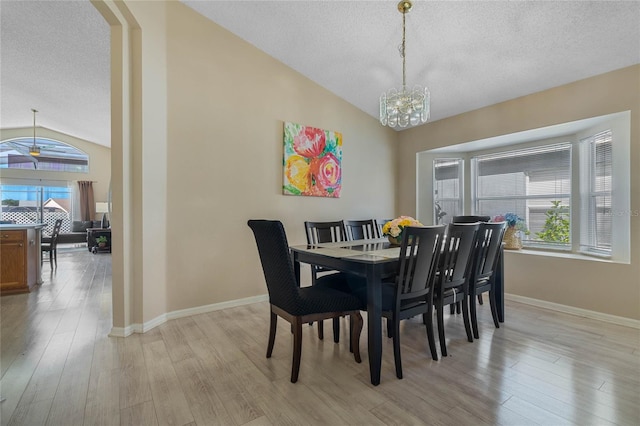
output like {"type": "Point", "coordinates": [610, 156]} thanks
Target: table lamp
{"type": "Point", "coordinates": [102, 207]}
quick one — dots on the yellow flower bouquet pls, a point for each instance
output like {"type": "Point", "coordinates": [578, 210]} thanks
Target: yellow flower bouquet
{"type": "Point", "coordinates": [394, 229]}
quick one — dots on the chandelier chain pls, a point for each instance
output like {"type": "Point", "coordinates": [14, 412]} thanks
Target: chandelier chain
{"type": "Point", "coordinates": [403, 52]}
{"type": "Point", "coordinates": [34, 149]}
{"type": "Point", "coordinates": [34, 126]}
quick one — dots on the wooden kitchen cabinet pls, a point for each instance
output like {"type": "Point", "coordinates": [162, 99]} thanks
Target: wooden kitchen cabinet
{"type": "Point", "coordinates": [19, 259]}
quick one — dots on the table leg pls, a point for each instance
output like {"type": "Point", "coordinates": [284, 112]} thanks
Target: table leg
{"type": "Point", "coordinates": [374, 322]}
{"type": "Point", "coordinates": [296, 268]}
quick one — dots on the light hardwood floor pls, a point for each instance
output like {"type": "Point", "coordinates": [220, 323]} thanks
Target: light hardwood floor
{"type": "Point", "coordinates": [59, 367]}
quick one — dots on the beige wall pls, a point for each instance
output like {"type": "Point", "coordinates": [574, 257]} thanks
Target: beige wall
{"type": "Point", "coordinates": [227, 102]}
{"type": "Point", "coordinates": [149, 163]}
{"type": "Point", "coordinates": [99, 161]}
{"type": "Point", "coordinates": [200, 153]}
{"type": "Point", "coordinates": [213, 157]}
{"type": "Point", "coordinates": [609, 288]}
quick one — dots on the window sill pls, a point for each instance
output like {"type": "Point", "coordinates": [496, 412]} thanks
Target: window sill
{"type": "Point", "coordinates": [563, 255]}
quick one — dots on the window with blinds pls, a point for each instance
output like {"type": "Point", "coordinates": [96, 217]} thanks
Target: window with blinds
{"type": "Point", "coordinates": [570, 185]}
{"type": "Point", "coordinates": [596, 177]}
{"type": "Point", "coordinates": [535, 184]}
{"type": "Point", "coordinates": [447, 189]}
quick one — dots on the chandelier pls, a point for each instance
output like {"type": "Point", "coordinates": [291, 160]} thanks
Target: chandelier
{"type": "Point", "coordinates": [34, 149]}
{"type": "Point", "coordinates": [407, 106]}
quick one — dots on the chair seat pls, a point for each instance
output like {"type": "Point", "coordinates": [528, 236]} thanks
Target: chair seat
{"type": "Point", "coordinates": [452, 293]}
{"type": "Point", "coordinates": [388, 294]}
{"type": "Point", "coordinates": [348, 283]}
{"type": "Point", "coordinates": [316, 299]}
{"type": "Point", "coordinates": [482, 286]}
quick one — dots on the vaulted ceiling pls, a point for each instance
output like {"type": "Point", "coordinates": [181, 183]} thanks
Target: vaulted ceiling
{"type": "Point", "coordinates": [55, 54]}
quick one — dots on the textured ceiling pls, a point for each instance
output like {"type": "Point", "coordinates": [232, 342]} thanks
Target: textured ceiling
{"type": "Point", "coordinates": [54, 57]}
{"type": "Point", "coordinates": [55, 54]}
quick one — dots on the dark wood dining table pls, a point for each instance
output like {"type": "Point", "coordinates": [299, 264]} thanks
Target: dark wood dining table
{"type": "Point", "coordinates": [370, 259]}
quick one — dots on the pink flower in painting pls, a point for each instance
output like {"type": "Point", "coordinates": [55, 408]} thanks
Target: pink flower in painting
{"type": "Point", "coordinates": [310, 142]}
{"type": "Point", "coordinates": [327, 173]}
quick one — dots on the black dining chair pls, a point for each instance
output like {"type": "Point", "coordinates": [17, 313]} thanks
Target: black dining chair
{"type": "Point", "coordinates": [468, 219]}
{"type": "Point", "coordinates": [50, 245]}
{"type": "Point", "coordinates": [454, 273]}
{"type": "Point", "coordinates": [411, 293]}
{"type": "Point", "coordinates": [488, 252]}
{"type": "Point", "coordinates": [299, 305]}
{"type": "Point", "coordinates": [380, 223]}
{"type": "Point", "coordinates": [361, 229]}
{"type": "Point", "coordinates": [326, 232]}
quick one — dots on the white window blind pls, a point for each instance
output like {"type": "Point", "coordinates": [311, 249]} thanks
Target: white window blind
{"type": "Point", "coordinates": [596, 218]}
{"type": "Point", "coordinates": [447, 189]}
{"type": "Point", "coordinates": [535, 184]}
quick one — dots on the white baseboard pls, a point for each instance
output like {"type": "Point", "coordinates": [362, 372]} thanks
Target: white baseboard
{"type": "Point", "coordinates": [161, 319]}
{"type": "Point", "coordinates": [613, 319]}
{"type": "Point", "coordinates": [121, 331]}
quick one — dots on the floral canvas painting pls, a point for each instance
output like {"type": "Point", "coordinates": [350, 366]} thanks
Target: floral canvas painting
{"type": "Point", "coordinates": [312, 161]}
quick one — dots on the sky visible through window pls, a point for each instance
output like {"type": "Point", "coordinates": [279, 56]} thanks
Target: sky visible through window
{"type": "Point", "coordinates": [54, 156]}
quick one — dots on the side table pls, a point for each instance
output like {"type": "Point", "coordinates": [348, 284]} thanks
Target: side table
{"type": "Point", "coordinates": [92, 245]}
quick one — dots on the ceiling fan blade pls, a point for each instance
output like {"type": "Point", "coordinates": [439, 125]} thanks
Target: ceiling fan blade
{"type": "Point", "coordinates": [22, 150]}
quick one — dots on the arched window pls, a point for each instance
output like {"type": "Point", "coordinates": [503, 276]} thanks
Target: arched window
{"type": "Point", "coordinates": [54, 156]}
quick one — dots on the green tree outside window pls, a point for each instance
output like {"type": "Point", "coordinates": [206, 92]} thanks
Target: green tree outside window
{"type": "Point", "coordinates": [556, 226]}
